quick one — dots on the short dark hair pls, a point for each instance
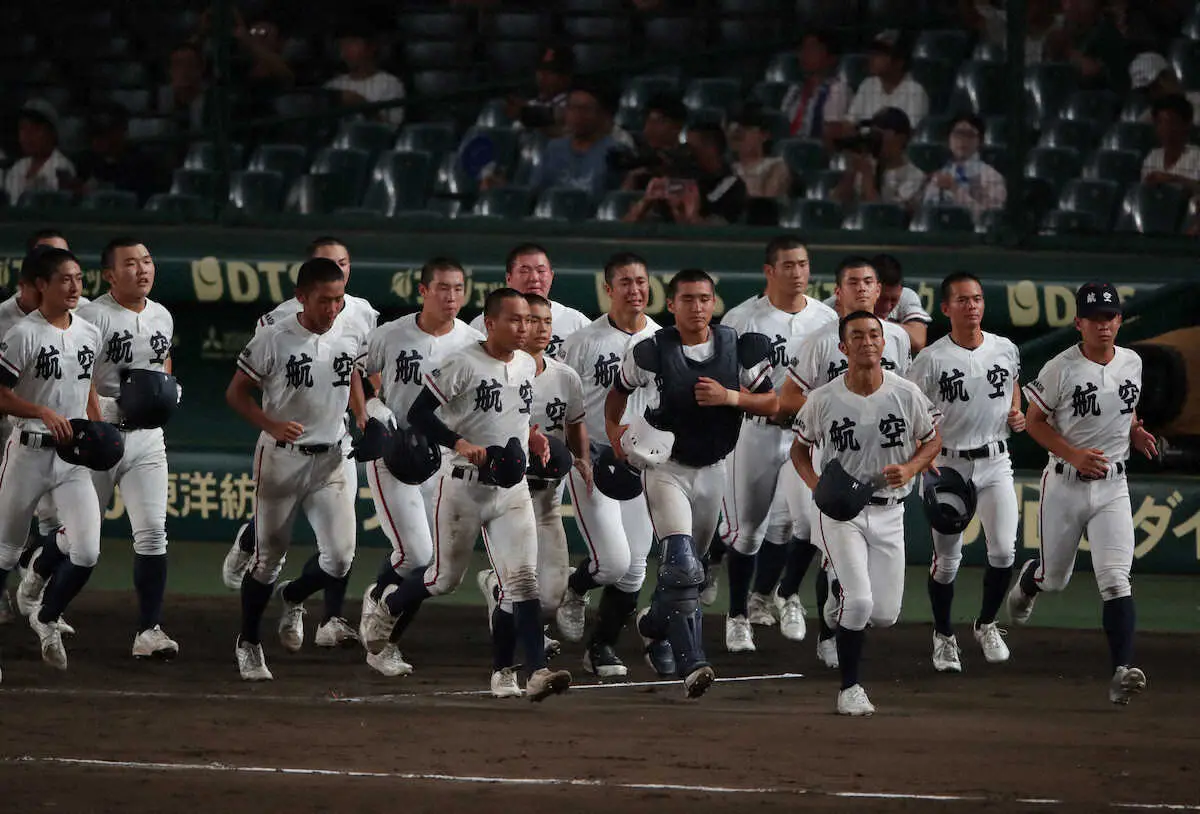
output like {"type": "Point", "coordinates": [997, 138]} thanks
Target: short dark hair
{"type": "Point", "coordinates": [40, 235]}
{"type": "Point", "coordinates": [437, 264]}
{"type": "Point", "coordinates": [110, 248]}
{"type": "Point", "coordinates": [668, 105]}
{"type": "Point", "coordinates": [851, 317]}
{"type": "Point", "coordinates": [689, 276]}
{"type": "Point", "coordinates": [957, 277]}
{"type": "Point", "coordinates": [826, 38]}
{"type": "Point", "coordinates": [323, 241]}
{"type": "Point", "coordinates": [975, 121]}
{"type": "Point", "coordinates": [712, 133]}
{"type": "Point", "coordinates": [854, 261]}
{"type": "Point", "coordinates": [887, 269]}
{"type": "Point", "coordinates": [1173, 103]}
{"type": "Point", "coordinates": [47, 261]}
{"type": "Point", "coordinates": [495, 299]}
{"type": "Point", "coordinates": [620, 260]}
{"type": "Point", "coordinates": [29, 265]}
{"type": "Point", "coordinates": [537, 299]}
{"type": "Point", "coordinates": [782, 243]}
{"type": "Point", "coordinates": [317, 270]}
{"type": "Point", "coordinates": [520, 250]}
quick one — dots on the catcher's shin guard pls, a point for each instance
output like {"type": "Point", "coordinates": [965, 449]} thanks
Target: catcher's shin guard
{"type": "Point", "coordinates": [675, 607]}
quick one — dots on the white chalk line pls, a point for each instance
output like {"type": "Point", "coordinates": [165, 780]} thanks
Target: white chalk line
{"type": "Point", "coordinates": [437, 777]}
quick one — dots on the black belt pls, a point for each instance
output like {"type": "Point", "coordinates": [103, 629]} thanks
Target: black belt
{"type": "Point", "coordinates": [305, 449]}
{"type": "Point", "coordinates": [541, 484]}
{"type": "Point", "coordinates": [985, 451]}
{"type": "Point", "coordinates": [37, 440]}
{"type": "Point", "coordinates": [463, 473]}
{"type": "Point", "coordinates": [1117, 469]}
{"type": "Point", "coordinates": [883, 501]}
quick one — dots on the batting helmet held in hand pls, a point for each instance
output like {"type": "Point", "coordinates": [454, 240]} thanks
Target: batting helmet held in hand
{"type": "Point", "coordinates": [949, 500]}
{"type": "Point", "coordinates": [558, 465]}
{"type": "Point", "coordinates": [615, 478]}
{"type": "Point", "coordinates": [645, 445]}
{"type": "Point", "coordinates": [410, 457]}
{"type": "Point", "coordinates": [97, 445]}
{"type": "Point", "coordinates": [373, 443]}
{"type": "Point", "coordinates": [505, 466]}
{"type": "Point", "coordinates": [148, 398]}
{"type": "Point", "coordinates": [839, 494]}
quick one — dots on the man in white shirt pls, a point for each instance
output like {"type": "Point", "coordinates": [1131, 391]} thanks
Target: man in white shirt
{"type": "Point", "coordinates": [1151, 74]}
{"type": "Point", "coordinates": [966, 180]}
{"type": "Point", "coordinates": [363, 81]}
{"type": "Point", "coordinates": [816, 107]}
{"type": "Point", "coordinates": [1175, 161]}
{"type": "Point", "coordinates": [885, 173]}
{"type": "Point", "coordinates": [890, 84]}
{"type": "Point", "coordinates": [44, 167]}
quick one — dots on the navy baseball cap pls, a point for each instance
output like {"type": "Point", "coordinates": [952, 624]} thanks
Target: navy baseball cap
{"type": "Point", "coordinates": [615, 478]}
{"type": "Point", "coordinates": [557, 467]}
{"type": "Point", "coordinates": [505, 466]}
{"type": "Point", "coordinates": [1097, 298]}
{"type": "Point", "coordinates": [839, 494]}
{"type": "Point", "coordinates": [97, 445]}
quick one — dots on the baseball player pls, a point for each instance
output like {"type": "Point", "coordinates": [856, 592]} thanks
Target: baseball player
{"type": "Point", "coordinates": [303, 365]}
{"type": "Point", "coordinates": [817, 360]}
{"type": "Point", "coordinates": [527, 269]}
{"type": "Point", "coordinates": [47, 237]}
{"type": "Point", "coordinates": [397, 355]}
{"type": "Point", "coordinates": [618, 533]}
{"type": "Point", "coordinates": [971, 377]}
{"type": "Point", "coordinates": [897, 303]}
{"type": "Point", "coordinates": [46, 363]}
{"type": "Point", "coordinates": [706, 376]}
{"type": "Point", "coordinates": [485, 395]}
{"type": "Point", "coordinates": [759, 476]}
{"type": "Point", "coordinates": [136, 334]}
{"type": "Point", "coordinates": [1083, 410]}
{"type": "Point", "coordinates": [882, 431]}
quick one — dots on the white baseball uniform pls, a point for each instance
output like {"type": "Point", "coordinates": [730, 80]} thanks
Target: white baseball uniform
{"type": "Point", "coordinates": [557, 402]}
{"type": "Point", "coordinates": [401, 353]}
{"type": "Point", "coordinates": [305, 377]}
{"type": "Point", "coordinates": [973, 389]}
{"type": "Point", "coordinates": [51, 367]}
{"type": "Point", "coordinates": [355, 309]}
{"type": "Point", "coordinates": [564, 321]}
{"type": "Point", "coordinates": [617, 532]}
{"type": "Point", "coordinates": [866, 434]}
{"type": "Point", "coordinates": [487, 402]}
{"type": "Point", "coordinates": [908, 308]}
{"type": "Point", "coordinates": [1091, 406]}
{"type": "Point", "coordinates": [133, 340]}
{"type": "Point", "coordinates": [760, 477]}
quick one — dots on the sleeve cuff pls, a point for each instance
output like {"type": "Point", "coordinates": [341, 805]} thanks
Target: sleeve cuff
{"type": "Point", "coordinates": [249, 371]}
{"type": "Point", "coordinates": [1032, 395]}
{"type": "Point", "coordinates": [433, 388]}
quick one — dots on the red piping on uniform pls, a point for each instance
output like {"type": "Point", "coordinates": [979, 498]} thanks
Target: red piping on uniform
{"type": "Point", "coordinates": [1041, 537]}
{"type": "Point", "coordinates": [379, 493]}
{"type": "Point", "coordinates": [437, 510]}
{"type": "Point", "coordinates": [4, 469]}
{"type": "Point", "coordinates": [732, 526]}
{"type": "Point", "coordinates": [582, 524]}
{"type": "Point", "coordinates": [649, 511]}
{"type": "Point", "coordinates": [828, 556]}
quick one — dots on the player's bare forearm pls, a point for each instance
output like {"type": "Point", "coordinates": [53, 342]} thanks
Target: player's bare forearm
{"type": "Point", "coordinates": [614, 410]}
{"type": "Point", "coordinates": [791, 400]}
{"type": "Point", "coordinates": [918, 333]}
{"type": "Point", "coordinates": [923, 458]}
{"type": "Point", "coordinates": [1037, 425]}
{"type": "Point", "coordinates": [169, 366]}
{"type": "Point", "coordinates": [240, 396]}
{"type": "Point", "coordinates": [802, 460]}
{"type": "Point", "coordinates": [93, 405]}
{"type": "Point", "coordinates": [358, 400]}
{"type": "Point", "coordinates": [13, 405]}
{"type": "Point", "coordinates": [764, 404]}
{"type": "Point", "coordinates": [577, 439]}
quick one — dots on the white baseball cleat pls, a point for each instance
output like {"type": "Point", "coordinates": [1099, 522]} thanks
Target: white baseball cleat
{"type": "Point", "coordinates": [946, 654]}
{"type": "Point", "coordinates": [488, 586]}
{"type": "Point", "coordinates": [698, 681]}
{"type": "Point", "coordinates": [291, 622]}
{"type": "Point", "coordinates": [545, 683]}
{"type": "Point", "coordinates": [991, 641]}
{"type": "Point", "coordinates": [251, 662]}
{"type": "Point", "coordinates": [29, 592]}
{"type": "Point", "coordinates": [377, 628]}
{"type": "Point", "coordinates": [1126, 683]}
{"type": "Point", "coordinates": [236, 562]}
{"type": "Point", "coordinates": [571, 615]}
{"type": "Point", "coordinates": [854, 701]}
{"type": "Point", "coordinates": [712, 587]}
{"type": "Point", "coordinates": [827, 653]}
{"type": "Point", "coordinates": [504, 684]}
{"type": "Point", "coordinates": [389, 662]}
{"type": "Point", "coordinates": [760, 610]}
{"type": "Point", "coordinates": [368, 607]}
{"type": "Point", "coordinates": [791, 619]}
{"type": "Point", "coordinates": [154, 644]}
{"type": "Point", "coordinates": [53, 652]}
{"type": "Point", "coordinates": [1018, 604]}
{"type": "Point", "coordinates": [739, 636]}
{"type": "Point", "coordinates": [335, 633]}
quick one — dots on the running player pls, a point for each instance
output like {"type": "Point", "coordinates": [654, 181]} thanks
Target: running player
{"type": "Point", "coordinates": [971, 377]}
{"type": "Point", "coordinates": [883, 431]}
{"type": "Point", "coordinates": [303, 365]}
{"type": "Point", "coordinates": [758, 527]}
{"type": "Point", "coordinates": [1083, 410]}
{"type": "Point", "coordinates": [617, 532]}
{"type": "Point", "coordinates": [897, 303]}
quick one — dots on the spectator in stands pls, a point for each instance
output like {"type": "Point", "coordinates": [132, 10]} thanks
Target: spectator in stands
{"type": "Point", "coordinates": [260, 69]}
{"type": "Point", "coordinates": [896, 302]}
{"type": "Point", "coordinates": [364, 82]}
{"type": "Point", "coordinates": [879, 170]}
{"type": "Point", "coordinates": [43, 166]}
{"type": "Point", "coordinates": [182, 99]}
{"type": "Point", "coordinates": [1090, 40]}
{"type": "Point", "coordinates": [1175, 161]}
{"type": "Point", "coordinates": [660, 143]}
{"type": "Point", "coordinates": [890, 84]}
{"type": "Point", "coordinates": [1151, 74]}
{"type": "Point", "coordinates": [816, 108]}
{"type": "Point", "coordinates": [110, 163]}
{"type": "Point", "coordinates": [966, 180]}
{"type": "Point", "coordinates": [547, 110]}
{"type": "Point", "coordinates": [991, 21]}
{"type": "Point", "coordinates": [715, 195]}
{"type": "Point", "coordinates": [579, 159]}
{"type": "Point", "coordinates": [1149, 24]}
{"type": "Point", "coordinates": [765, 176]}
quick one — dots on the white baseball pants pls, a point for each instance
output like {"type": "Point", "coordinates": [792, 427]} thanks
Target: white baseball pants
{"type": "Point", "coordinates": [553, 561]}
{"type": "Point", "coordinates": [685, 500]}
{"type": "Point", "coordinates": [403, 512]}
{"type": "Point", "coordinates": [997, 510]}
{"type": "Point", "coordinates": [866, 555]}
{"type": "Point", "coordinates": [753, 505]}
{"type": "Point", "coordinates": [142, 475]}
{"type": "Point", "coordinates": [618, 534]}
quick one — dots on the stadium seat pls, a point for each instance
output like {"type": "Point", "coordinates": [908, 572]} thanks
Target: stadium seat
{"type": "Point", "coordinates": [1097, 198]}
{"type": "Point", "coordinates": [1123, 167]}
{"type": "Point", "coordinates": [1137, 137]}
{"type": "Point", "coordinates": [315, 195]}
{"type": "Point", "coordinates": [46, 199]}
{"type": "Point", "coordinates": [705, 115]}
{"type": "Point", "coordinates": [998, 157]}
{"type": "Point", "coordinates": [370, 137]}
{"type": "Point", "coordinates": [783, 67]}
{"type": "Point", "coordinates": [289, 160]}
{"type": "Point", "coordinates": [1067, 222]}
{"type": "Point", "coordinates": [72, 134]}
{"type": "Point", "coordinates": [853, 68]}
{"type": "Point", "coordinates": [1136, 108]}
{"type": "Point", "coordinates": [721, 93]}
{"type": "Point", "coordinates": [135, 100]}
{"type": "Point", "coordinates": [439, 82]}
{"type": "Point", "coordinates": [732, 31]}
{"type": "Point", "coordinates": [1078, 134]}
{"type": "Point", "coordinates": [950, 46]}
{"type": "Point", "coordinates": [561, 203]}
{"type": "Point", "coordinates": [357, 213]}
{"type": "Point", "coordinates": [989, 221]}
{"type": "Point", "coordinates": [934, 128]}
{"type": "Point", "coordinates": [980, 87]}
{"type": "Point", "coordinates": [615, 204]}
{"type": "Point", "coordinates": [1100, 106]}
{"type": "Point", "coordinates": [929, 157]}
{"type": "Point", "coordinates": [202, 155]}
{"type": "Point", "coordinates": [425, 54]}
{"type": "Point", "coordinates": [188, 207]}
{"type": "Point", "coordinates": [937, 77]}
{"type": "Point", "coordinates": [120, 74]}
{"type": "Point", "coordinates": [147, 127]}
{"type": "Point", "coordinates": [942, 219]}
{"type": "Point", "coordinates": [591, 57]}
{"type": "Point", "coordinates": [820, 184]}
{"type": "Point", "coordinates": [409, 176]}
{"type": "Point", "coordinates": [988, 52]}
{"type": "Point", "coordinates": [445, 207]}
{"type": "Point", "coordinates": [110, 200]}
{"type": "Point", "coordinates": [418, 25]}
{"type": "Point", "coordinates": [1185, 59]}
{"type": "Point", "coordinates": [516, 25]}
{"type": "Point", "coordinates": [201, 183]}
{"type": "Point", "coordinates": [256, 192]}
{"type": "Point", "coordinates": [512, 58]}
{"type": "Point", "coordinates": [810, 213]}
{"type": "Point", "coordinates": [435, 138]}
{"type": "Point", "coordinates": [672, 35]}
{"type": "Point", "coordinates": [769, 94]}
{"type": "Point", "coordinates": [876, 217]}
{"type": "Point", "coordinates": [1056, 164]}
{"type": "Point", "coordinates": [826, 13]}
{"type": "Point", "coordinates": [1049, 86]}
{"type": "Point", "coordinates": [776, 124]}
{"type": "Point", "coordinates": [995, 130]}
{"type": "Point", "coordinates": [802, 156]}
{"type": "Point", "coordinates": [1152, 210]}
{"type": "Point", "coordinates": [348, 169]}
{"type": "Point", "coordinates": [640, 89]}
{"type": "Point", "coordinates": [593, 6]}
{"type": "Point", "coordinates": [499, 144]}
{"type": "Point", "coordinates": [494, 113]}
{"type": "Point", "coordinates": [596, 27]}
{"type": "Point", "coordinates": [509, 202]}
{"type": "Point", "coordinates": [1191, 28]}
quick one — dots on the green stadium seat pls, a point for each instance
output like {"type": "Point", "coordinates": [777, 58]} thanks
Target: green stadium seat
{"type": "Point", "coordinates": [202, 155]}
{"type": "Point", "coordinates": [937, 77]}
{"type": "Point", "coordinates": [135, 100]}
{"type": "Point", "coordinates": [942, 219]}
{"type": "Point", "coordinates": [186, 207]}
{"type": "Point", "coordinates": [560, 203]}
{"type": "Point", "coordinates": [289, 160]}
{"type": "Point", "coordinates": [593, 6]}
{"type": "Point", "coordinates": [1049, 86]}
{"type": "Point", "coordinates": [593, 57]}
{"type": "Point", "coordinates": [435, 138]}
{"type": "Point", "coordinates": [640, 89]}
{"type": "Point", "coordinates": [929, 156]}
{"type": "Point", "coordinates": [1056, 164]}
{"type": "Point", "coordinates": [1136, 108]}
{"type": "Point", "coordinates": [989, 221]}
{"type": "Point", "coordinates": [514, 59]}
{"type": "Point", "coordinates": [516, 25]}
{"type": "Point", "coordinates": [769, 94]}
{"type": "Point", "coordinates": [1152, 210]}
{"type": "Point", "coordinates": [995, 130]}
{"type": "Point", "coordinates": [441, 81]}
{"type": "Point", "coordinates": [1137, 137]}
{"type": "Point", "coordinates": [201, 183]}
{"type": "Point", "coordinates": [1078, 134]}
{"type": "Point", "coordinates": [997, 157]}
{"type": "Point", "coordinates": [1185, 59]}
{"type": "Point", "coordinates": [876, 217]}
{"type": "Point", "coordinates": [423, 25]}
{"type": "Point", "coordinates": [988, 52]}
{"type": "Point", "coordinates": [1124, 167]}
{"type": "Point", "coordinates": [810, 213]}
{"type": "Point", "coordinates": [720, 93]}
{"type": "Point", "coordinates": [666, 34]}
{"type": "Point", "coordinates": [1097, 198]}
{"type": "Point", "coordinates": [370, 137]}
{"type": "Point", "coordinates": [784, 67]}
{"type": "Point", "coordinates": [256, 192]}
{"type": "Point", "coordinates": [822, 183]}
{"type": "Point", "coordinates": [404, 178]}
{"type": "Point", "coordinates": [934, 128]}
{"type": "Point", "coordinates": [826, 13]}
{"type": "Point", "coordinates": [511, 202]}
{"type": "Point", "coordinates": [802, 156]}
{"type": "Point", "coordinates": [949, 45]}
{"type": "Point", "coordinates": [705, 115]}
{"type": "Point", "coordinates": [596, 27]}
{"type": "Point", "coordinates": [347, 170]}
{"type": "Point", "coordinates": [110, 200]}
{"type": "Point", "coordinates": [615, 204]}
{"type": "Point", "coordinates": [1099, 106]}
{"type": "Point", "coordinates": [980, 87]}
{"type": "Point", "coordinates": [147, 127]}
{"type": "Point", "coordinates": [421, 54]}
{"type": "Point", "coordinates": [1068, 222]}
{"type": "Point", "coordinates": [358, 213]}
{"type": "Point", "coordinates": [746, 30]}
{"type": "Point", "coordinates": [630, 119]}
{"type": "Point", "coordinates": [46, 199]}
{"type": "Point", "coordinates": [315, 195]}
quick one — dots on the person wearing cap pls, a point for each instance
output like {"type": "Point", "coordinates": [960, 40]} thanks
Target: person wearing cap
{"type": "Point", "coordinates": [364, 82]}
{"type": "Point", "coordinates": [967, 180]}
{"type": "Point", "coordinates": [1174, 161]}
{"type": "Point", "coordinates": [1083, 411]}
{"type": "Point", "coordinates": [885, 175]}
{"type": "Point", "coordinates": [816, 107]}
{"type": "Point", "coordinates": [546, 111]}
{"type": "Point", "coordinates": [579, 158]}
{"type": "Point", "coordinates": [765, 176]}
{"type": "Point", "coordinates": [1152, 75]}
{"type": "Point", "coordinates": [991, 22]}
{"type": "Point", "coordinates": [890, 84]}
{"type": "Point", "coordinates": [43, 166]}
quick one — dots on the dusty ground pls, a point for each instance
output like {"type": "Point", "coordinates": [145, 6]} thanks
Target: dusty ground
{"type": "Point", "coordinates": [1038, 727]}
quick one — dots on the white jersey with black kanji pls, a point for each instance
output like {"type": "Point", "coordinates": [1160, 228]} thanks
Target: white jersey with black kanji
{"type": "Point", "coordinates": [758, 315]}
{"type": "Point", "coordinates": [129, 340]}
{"type": "Point", "coordinates": [595, 352]}
{"type": "Point", "coordinates": [973, 388]}
{"type": "Point", "coordinates": [49, 366]}
{"type": "Point", "coordinates": [305, 377]}
{"type": "Point", "coordinates": [10, 312]}
{"type": "Point", "coordinates": [908, 308]}
{"type": "Point", "coordinates": [1089, 404]}
{"type": "Point", "coordinates": [564, 321]}
{"type": "Point", "coordinates": [868, 433]}
{"type": "Point", "coordinates": [816, 359]}
{"type": "Point", "coordinates": [557, 399]}
{"type": "Point", "coordinates": [401, 353]}
{"type": "Point", "coordinates": [485, 400]}
{"type": "Point", "coordinates": [356, 309]}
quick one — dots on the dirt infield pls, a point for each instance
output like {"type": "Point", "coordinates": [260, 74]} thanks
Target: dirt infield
{"type": "Point", "coordinates": [1038, 727]}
